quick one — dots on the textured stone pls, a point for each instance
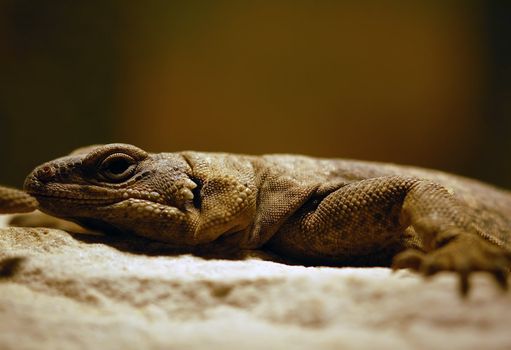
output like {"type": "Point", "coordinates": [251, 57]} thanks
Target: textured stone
{"type": "Point", "coordinates": [76, 291]}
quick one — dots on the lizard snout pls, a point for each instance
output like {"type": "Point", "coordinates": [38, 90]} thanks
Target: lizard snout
{"type": "Point", "coordinates": [50, 172]}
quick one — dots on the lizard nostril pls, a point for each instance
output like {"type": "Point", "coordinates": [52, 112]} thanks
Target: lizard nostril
{"type": "Point", "coordinates": [45, 173]}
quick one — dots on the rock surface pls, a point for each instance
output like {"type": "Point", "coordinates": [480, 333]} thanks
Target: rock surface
{"type": "Point", "coordinates": [73, 291]}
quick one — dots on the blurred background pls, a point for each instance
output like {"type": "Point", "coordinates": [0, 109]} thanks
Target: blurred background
{"type": "Point", "coordinates": [416, 82]}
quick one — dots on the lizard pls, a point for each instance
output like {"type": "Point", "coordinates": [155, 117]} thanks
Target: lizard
{"type": "Point", "coordinates": [313, 211]}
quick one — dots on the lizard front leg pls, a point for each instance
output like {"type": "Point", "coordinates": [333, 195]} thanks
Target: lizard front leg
{"type": "Point", "coordinates": [16, 201]}
{"type": "Point", "coordinates": [371, 216]}
{"type": "Point", "coordinates": [451, 239]}
{"type": "Point", "coordinates": [13, 201]}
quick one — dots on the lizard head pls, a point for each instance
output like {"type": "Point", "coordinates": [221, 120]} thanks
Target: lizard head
{"type": "Point", "coordinates": [121, 187]}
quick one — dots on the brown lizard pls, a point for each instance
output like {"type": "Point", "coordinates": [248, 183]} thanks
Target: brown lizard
{"type": "Point", "coordinates": [313, 211]}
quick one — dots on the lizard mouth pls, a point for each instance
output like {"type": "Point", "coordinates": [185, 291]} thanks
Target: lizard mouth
{"type": "Point", "coordinates": [69, 199]}
{"type": "Point", "coordinates": [183, 194]}
{"type": "Point", "coordinates": [75, 199]}
{"type": "Point", "coordinates": [99, 213]}
{"type": "Point", "coordinates": [70, 193]}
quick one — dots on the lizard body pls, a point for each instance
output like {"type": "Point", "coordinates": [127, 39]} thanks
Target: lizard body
{"type": "Point", "coordinates": [315, 211]}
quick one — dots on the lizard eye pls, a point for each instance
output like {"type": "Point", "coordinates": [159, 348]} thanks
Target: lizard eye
{"type": "Point", "coordinates": [117, 167]}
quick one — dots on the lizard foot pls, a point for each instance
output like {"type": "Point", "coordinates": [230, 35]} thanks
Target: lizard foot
{"type": "Point", "coordinates": [464, 254]}
{"type": "Point", "coordinates": [39, 219]}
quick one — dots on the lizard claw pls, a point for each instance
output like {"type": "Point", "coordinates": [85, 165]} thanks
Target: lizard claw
{"type": "Point", "coordinates": [464, 254]}
{"type": "Point", "coordinates": [408, 259]}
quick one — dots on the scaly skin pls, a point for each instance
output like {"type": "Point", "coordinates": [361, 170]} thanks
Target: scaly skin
{"type": "Point", "coordinates": [16, 201]}
{"type": "Point", "coordinates": [314, 211]}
